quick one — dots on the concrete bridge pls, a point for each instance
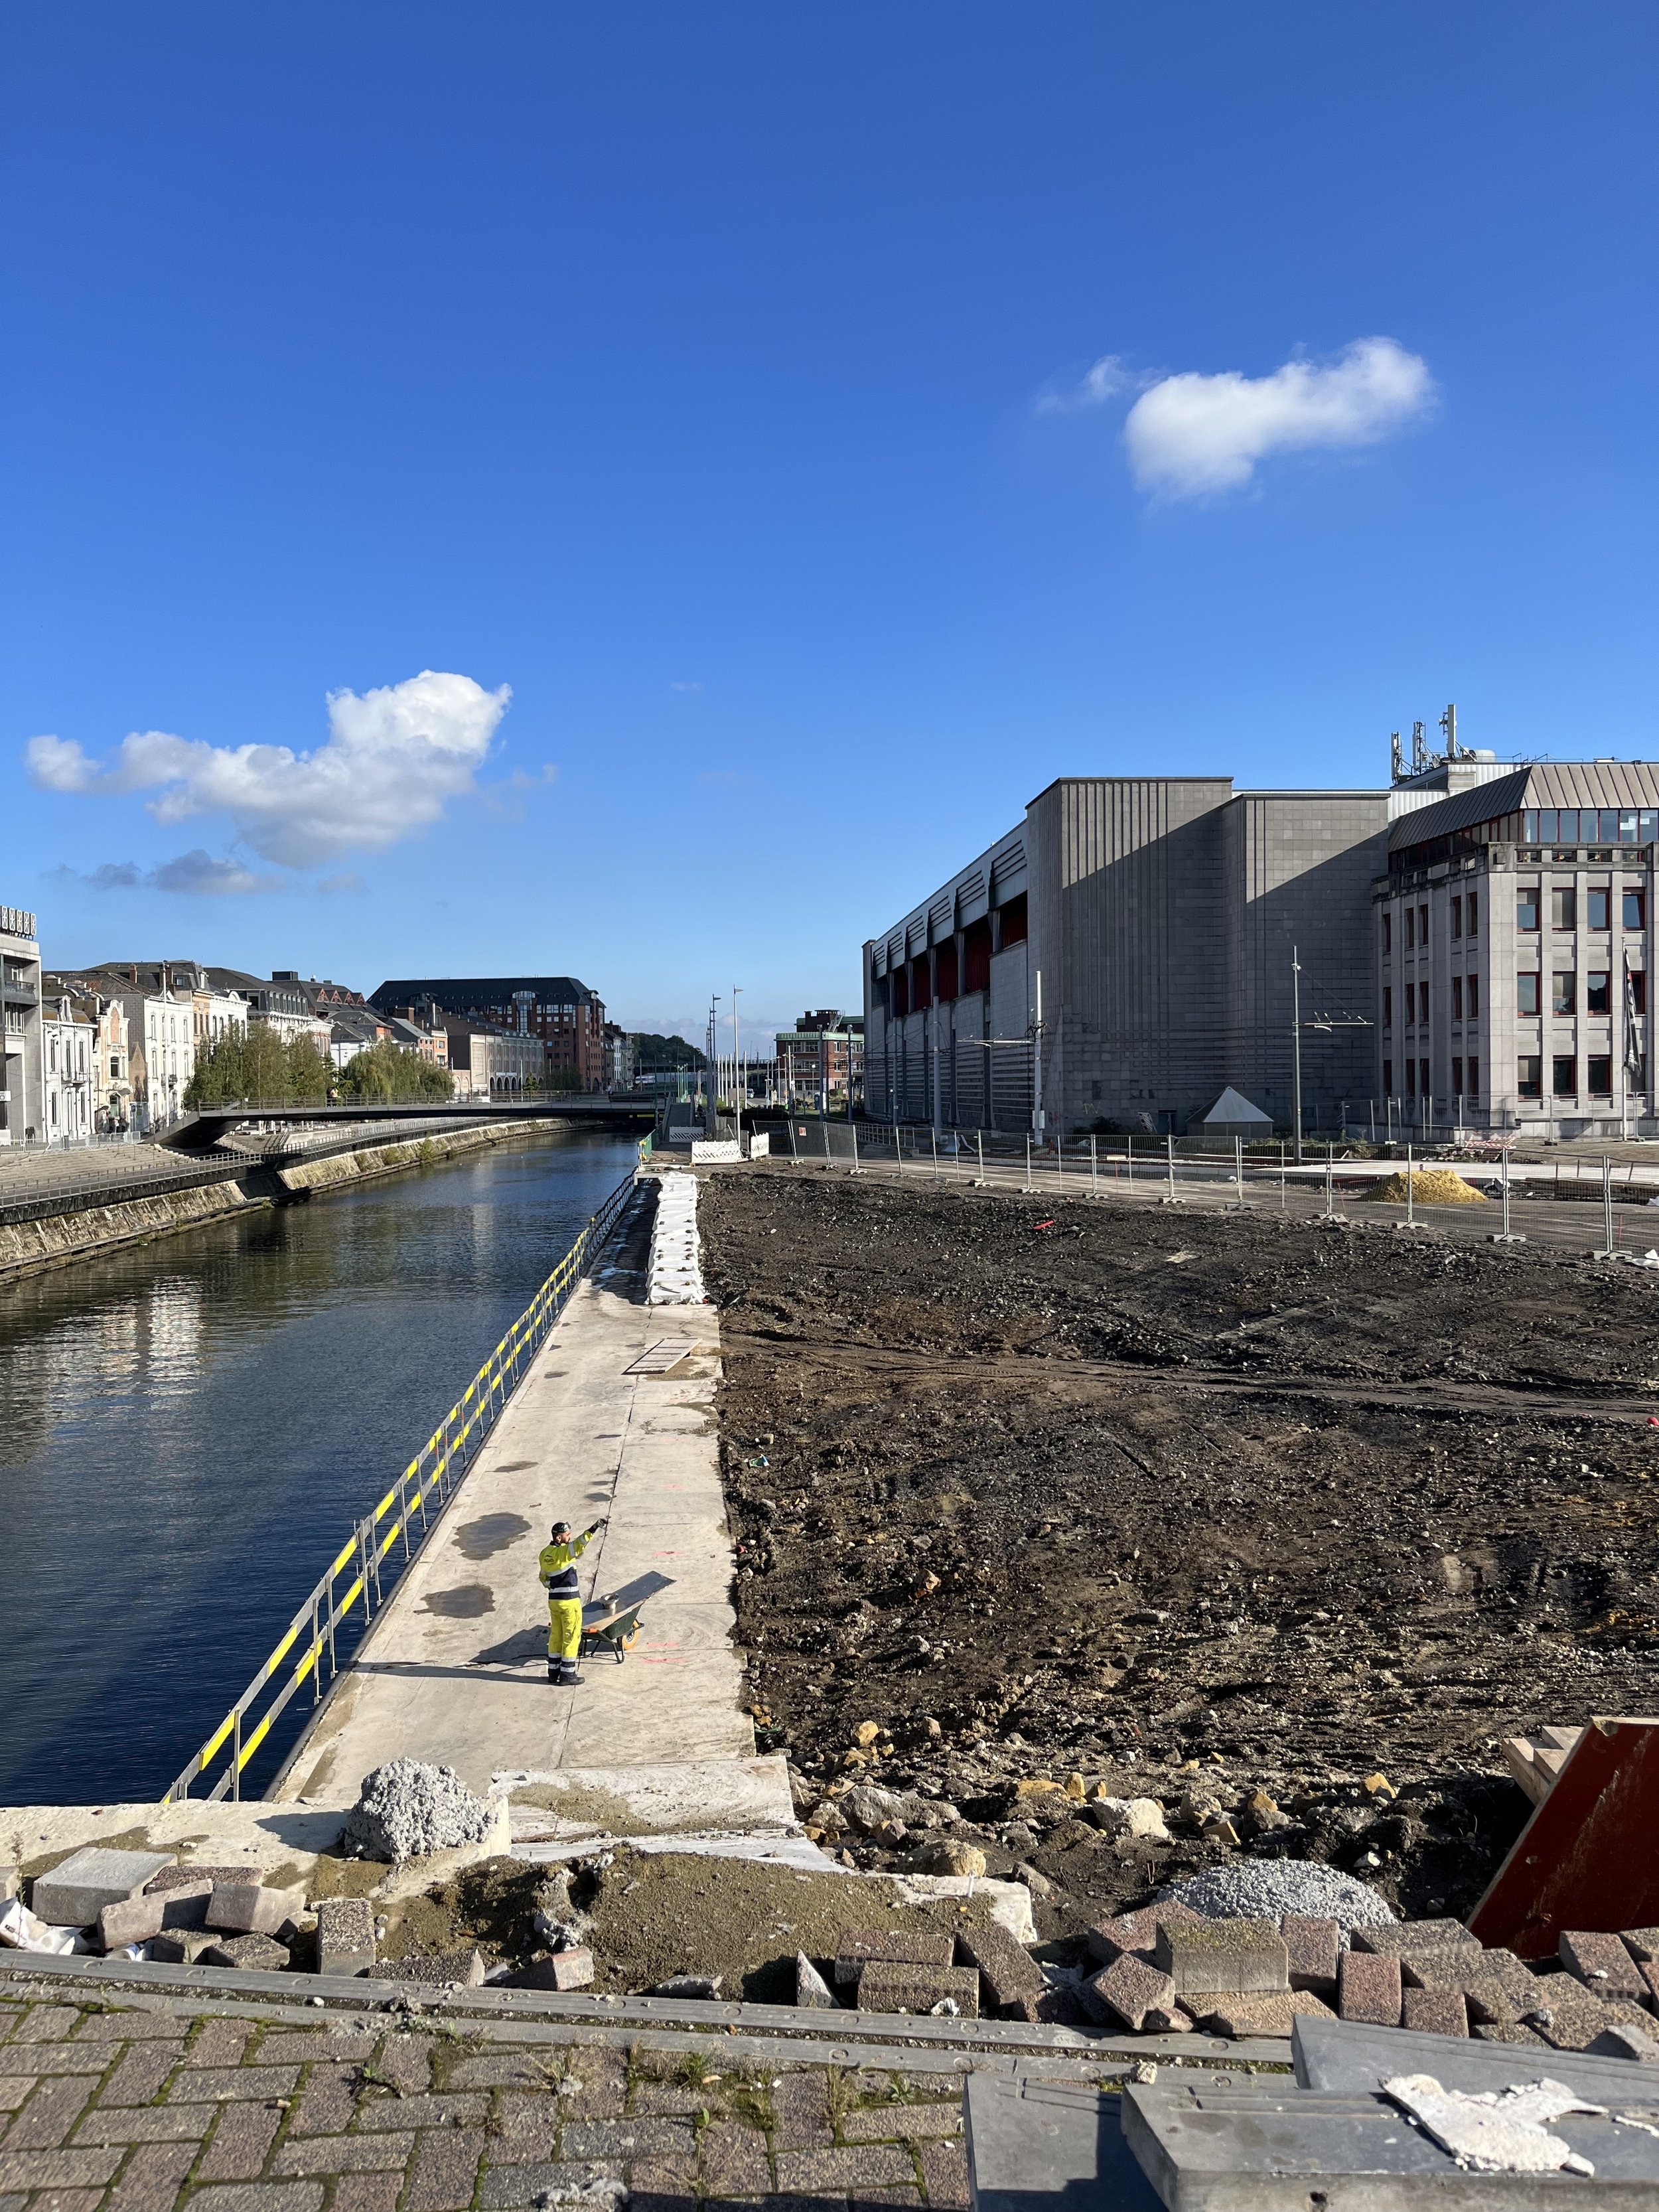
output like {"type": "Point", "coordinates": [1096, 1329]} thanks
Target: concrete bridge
{"type": "Point", "coordinates": [202, 1131]}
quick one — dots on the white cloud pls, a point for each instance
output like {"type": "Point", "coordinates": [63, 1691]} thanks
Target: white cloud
{"type": "Point", "coordinates": [393, 758]}
{"type": "Point", "coordinates": [1191, 434]}
{"type": "Point", "coordinates": [192, 873]}
{"type": "Point", "coordinates": [1105, 380]}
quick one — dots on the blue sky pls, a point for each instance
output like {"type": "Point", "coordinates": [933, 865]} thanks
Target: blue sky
{"type": "Point", "coordinates": [718, 379]}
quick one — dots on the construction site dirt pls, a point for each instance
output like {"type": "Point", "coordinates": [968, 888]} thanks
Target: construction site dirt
{"type": "Point", "coordinates": [1283, 1525]}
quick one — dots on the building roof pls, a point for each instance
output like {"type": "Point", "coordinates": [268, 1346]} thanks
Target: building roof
{"type": "Point", "coordinates": [1542, 783]}
{"type": "Point", "coordinates": [460, 994]}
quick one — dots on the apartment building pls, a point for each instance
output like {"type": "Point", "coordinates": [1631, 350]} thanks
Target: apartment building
{"type": "Point", "coordinates": [565, 1014]}
{"type": "Point", "coordinates": [21, 1085]}
{"type": "Point", "coordinates": [821, 1059]}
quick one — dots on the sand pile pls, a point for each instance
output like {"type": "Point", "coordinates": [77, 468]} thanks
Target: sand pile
{"type": "Point", "coordinates": [1433, 1186]}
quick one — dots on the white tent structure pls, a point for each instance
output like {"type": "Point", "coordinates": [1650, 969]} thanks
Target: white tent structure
{"type": "Point", "coordinates": [1233, 1115]}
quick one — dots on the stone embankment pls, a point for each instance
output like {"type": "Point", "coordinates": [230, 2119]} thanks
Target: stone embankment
{"type": "Point", "coordinates": [55, 1239]}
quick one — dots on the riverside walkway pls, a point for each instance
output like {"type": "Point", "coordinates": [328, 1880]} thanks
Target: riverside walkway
{"type": "Point", "coordinates": [455, 1668]}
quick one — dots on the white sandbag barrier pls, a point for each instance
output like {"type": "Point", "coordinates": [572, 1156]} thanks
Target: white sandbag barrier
{"type": "Point", "coordinates": [676, 1271]}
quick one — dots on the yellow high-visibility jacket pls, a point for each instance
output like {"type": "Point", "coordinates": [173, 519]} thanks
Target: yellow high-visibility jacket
{"type": "Point", "coordinates": [558, 1566]}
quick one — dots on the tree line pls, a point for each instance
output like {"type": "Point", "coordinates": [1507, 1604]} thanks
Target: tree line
{"type": "Point", "coordinates": [259, 1067]}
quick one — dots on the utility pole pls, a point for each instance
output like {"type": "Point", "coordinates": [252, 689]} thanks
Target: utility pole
{"type": "Point", "coordinates": [1036, 1065]}
{"type": "Point", "coordinates": [737, 1095]}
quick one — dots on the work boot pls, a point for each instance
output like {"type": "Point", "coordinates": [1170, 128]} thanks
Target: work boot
{"type": "Point", "coordinates": [575, 1681]}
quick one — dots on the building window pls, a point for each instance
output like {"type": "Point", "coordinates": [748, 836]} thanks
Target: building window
{"type": "Point", "coordinates": [1457, 997]}
{"type": "Point", "coordinates": [1530, 1075]}
{"type": "Point", "coordinates": [1526, 907]}
{"type": "Point", "coordinates": [1411, 1078]}
{"type": "Point", "coordinates": [945, 960]}
{"type": "Point", "coordinates": [1410, 1004]}
{"type": "Point", "coordinates": [1423, 1084]}
{"type": "Point", "coordinates": [1457, 916]}
{"type": "Point", "coordinates": [1598, 902]}
{"type": "Point", "coordinates": [1411, 927]}
{"type": "Point", "coordinates": [1636, 985]}
{"type": "Point", "coordinates": [1475, 914]}
{"type": "Point", "coordinates": [1013, 921]}
{"type": "Point", "coordinates": [1599, 1065]}
{"type": "Point", "coordinates": [1473, 1091]}
{"type": "Point", "coordinates": [1388, 1079]}
{"type": "Point", "coordinates": [1526, 993]}
{"type": "Point", "coordinates": [1565, 1085]}
{"type": "Point", "coordinates": [1636, 907]}
{"type": "Point", "coordinates": [1474, 1002]}
{"type": "Point", "coordinates": [1388, 931]}
{"type": "Point", "coordinates": [1598, 992]}
{"type": "Point", "coordinates": [1564, 907]}
{"type": "Point", "coordinates": [1457, 1075]}
{"type": "Point", "coordinates": [1388, 1006]}
{"type": "Point", "coordinates": [1422, 928]}
{"type": "Point", "coordinates": [1561, 991]}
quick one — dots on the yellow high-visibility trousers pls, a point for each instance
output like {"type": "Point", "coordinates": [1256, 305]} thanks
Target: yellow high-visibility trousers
{"type": "Point", "coordinates": [564, 1637]}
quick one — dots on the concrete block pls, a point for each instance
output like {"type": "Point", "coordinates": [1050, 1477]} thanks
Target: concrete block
{"type": "Point", "coordinates": [465, 1968]}
{"type": "Point", "coordinates": [1602, 1964]}
{"type": "Point", "coordinates": [345, 1936]}
{"type": "Point", "coordinates": [896, 1947]}
{"type": "Point", "coordinates": [1313, 1947]}
{"type": "Point", "coordinates": [1624, 2043]}
{"type": "Point", "coordinates": [75, 1892]}
{"type": "Point", "coordinates": [1507, 2031]}
{"type": "Point", "coordinates": [811, 1990]}
{"type": "Point", "coordinates": [1263, 2012]}
{"type": "Point", "coordinates": [564, 1970]}
{"type": "Point", "coordinates": [251, 1954]}
{"type": "Point", "coordinates": [1649, 1969]}
{"type": "Point", "coordinates": [1434, 2012]}
{"type": "Point", "coordinates": [10, 1884]}
{"type": "Point", "coordinates": [245, 1908]}
{"type": "Point", "coordinates": [1570, 2017]}
{"type": "Point", "coordinates": [1007, 1969]}
{"type": "Point", "coordinates": [1232, 1955]}
{"type": "Point", "coordinates": [1640, 1943]}
{"type": "Point", "coordinates": [1132, 1931]}
{"type": "Point", "coordinates": [1331, 2054]}
{"type": "Point", "coordinates": [1454, 1968]}
{"type": "Point", "coordinates": [1033, 2142]}
{"type": "Point", "coordinates": [1368, 1988]}
{"type": "Point", "coordinates": [1172, 2019]}
{"type": "Point", "coordinates": [137, 1919]}
{"type": "Point", "coordinates": [1126, 1991]}
{"type": "Point", "coordinates": [179, 1947]}
{"type": "Point", "coordinates": [1405, 1939]}
{"type": "Point", "coordinates": [886, 1985]}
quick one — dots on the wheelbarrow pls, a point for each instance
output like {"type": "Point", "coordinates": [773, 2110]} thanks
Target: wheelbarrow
{"type": "Point", "coordinates": [608, 1627]}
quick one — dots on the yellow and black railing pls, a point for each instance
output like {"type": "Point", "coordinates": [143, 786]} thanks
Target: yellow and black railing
{"type": "Point", "coordinates": [400, 1519]}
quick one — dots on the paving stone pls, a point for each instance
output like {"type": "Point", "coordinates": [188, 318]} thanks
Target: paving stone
{"type": "Point", "coordinates": [1453, 1967]}
{"type": "Point", "coordinates": [494, 2069]}
{"type": "Point", "coordinates": [147, 2124]}
{"type": "Point", "coordinates": [47, 2023]}
{"type": "Point", "coordinates": [1640, 1943]}
{"type": "Point", "coordinates": [1314, 1948]}
{"type": "Point", "coordinates": [186, 1947]}
{"type": "Point", "coordinates": [886, 1986]}
{"type": "Point", "coordinates": [445, 2172]}
{"type": "Point", "coordinates": [222, 2042]}
{"type": "Point", "coordinates": [1435, 2012]}
{"type": "Point", "coordinates": [367, 2192]}
{"type": "Point", "coordinates": [1126, 1991]}
{"type": "Point", "coordinates": [248, 2084]}
{"type": "Point", "coordinates": [61, 2200]}
{"type": "Point", "coordinates": [250, 1955]}
{"type": "Point", "coordinates": [463, 1969]}
{"type": "Point", "coordinates": [670, 2097]}
{"type": "Point", "coordinates": [569, 1969]}
{"type": "Point", "coordinates": [327, 2101]}
{"type": "Point", "coordinates": [46, 2120]}
{"type": "Point", "coordinates": [800, 2111]}
{"type": "Point", "coordinates": [14, 2088]}
{"type": "Point", "coordinates": [1132, 1931]}
{"type": "Point", "coordinates": [123, 2027]}
{"type": "Point", "coordinates": [1649, 1969]}
{"type": "Point", "coordinates": [649, 2137]}
{"type": "Point", "coordinates": [663, 2180]}
{"type": "Point", "coordinates": [1626, 2042]}
{"type": "Point", "coordinates": [734, 2162]}
{"type": "Point", "coordinates": [78, 1888]}
{"type": "Point", "coordinates": [137, 1919]}
{"type": "Point", "coordinates": [58, 2169]}
{"type": "Point", "coordinates": [527, 2128]}
{"type": "Point", "coordinates": [901, 2122]}
{"type": "Point", "coordinates": [185, 1874]}
{"type": "Point", "coordinates": [1507, 2031]}
{"type": "Point", "coordinates": [259, 2197]}
{"type": "Point", "coordinates": [1368, 1988]}
{"type": "Point", "coordinates": [152, 2177]}
{"type": "Point", "coordinates": [1222, 1955]}
{"type": "Point", "coordinates": [247, 1908]}
{"type": "Point", "coordinates": [1172, 2019]}
{"type": "Point", "coordinates": [140, 2075]}
{"type": "Point", "coordinates": [1602, 1964]}
{"type": "Point", "coordinates": [344, 2155]}
{"type": "Point", "coordinates": [1570, 2017]}
{"type": "Point", "coordinates": [241, 2142]}
{"type": "Point", "coordinates": [1007, 1972]}
{"type": "Point", "coordinates": [470, 2109]}
{"type": "Point", "coordinates": [1405, 1939]}
{"type": "Point", "coordinates": [37, 2058]}
{"type": "Point", "coordinates": [506, 2188]}
{"type": "Point", "coordinates": [345, 1936]}
{"type": "Point", "coordinates": [945, 2173]}
{"type": "Point", "coordinates": [868, 2165]}
{"type": "Point", "coordinates": [1261, 2012]}
{"type": "Point", "coordinates": [898, 1946]}
{"type": "Point", "coordinates": [327, 2045]}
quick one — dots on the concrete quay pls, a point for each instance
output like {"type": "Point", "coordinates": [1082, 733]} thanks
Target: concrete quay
{"type": "Point", "coordinates": [454, 1670]}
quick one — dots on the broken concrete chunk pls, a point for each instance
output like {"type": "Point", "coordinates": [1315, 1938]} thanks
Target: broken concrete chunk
{"type": "Point", "coordinates": [77, 1889]}
{"type": "Point", "coordinates": [1570, 2017]}
{"type": "Point", "coordinates": [1313, 1948]}
{"type": "Point", "coordinates": [1126, 1991]}
{"type": "Point", "coordinates": [409, 1808]}
{"type": "Point", "coordinates": [571, 1969]}
{"type": "Point", "coordinates": [1368, 1988]}
{"type": "Point", "coordinates": [179, 1947]}
{"type": "Point", "coordinates": [1171, 2019]}
{"type": "Point", "coordinates": [1507, 2031]}
{"type": "Point", "coordinates": [1435, 2012]}
{"type": "Point", "coordinates": [251, 1954]}
{"type": "Point", "coordinates": [946, 1856]}
{"type": "Point", "coordinates": [1602, 1964]}
{"type": "Point", "coordinates": [1007, 1971]}
{"type": "Point", "coordinates": [811, 1990]}
{"type": "Point", "coordinates": [345, 1936]}
{"type": "Point", "coordinates": [704, 1987]}
{"type": "Point", "coordinates": [246, 1908]}
{"type": "Point", "coordinates": [465, 1967]}
{"type": "Point", "coordinates": [1640, 1943]}
{"type": "Point", "coordinates": [917, 1947]}
{"type": "Point", "coordinates": [1222, 1955]}
{"type": "Point", "coordinates": [1131, 1817]}
{"type": "Point", "coordinates": [10, 1883]}
{"type": "Point", "coordinates": [1623, 2042]}
{"type": "Point", "coordinates": [885, 1985]}
{"type": "Point", "coordinates": [137, 1919]}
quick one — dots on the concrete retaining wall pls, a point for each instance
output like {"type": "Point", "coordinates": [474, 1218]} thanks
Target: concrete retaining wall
{"type": "Point", "coordinates": [28, 1247]}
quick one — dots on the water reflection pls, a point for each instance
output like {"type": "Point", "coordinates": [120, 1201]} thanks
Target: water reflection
{"type": "Point", "coordinates": [188, 1431]}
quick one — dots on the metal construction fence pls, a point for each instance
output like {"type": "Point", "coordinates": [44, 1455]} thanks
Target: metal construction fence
{"type": "Point", "coordinates": [324, 1620]}
{"type": "Point", "coordinates": [1585, 1206]}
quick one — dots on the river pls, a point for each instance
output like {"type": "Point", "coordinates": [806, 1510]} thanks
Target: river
{"type": "Point", "coordinates": [189, 1429]}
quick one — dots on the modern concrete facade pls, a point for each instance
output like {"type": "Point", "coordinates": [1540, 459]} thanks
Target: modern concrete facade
{"type": "Point", "coordinates": [1154, 919]}
{"type": "Point", "coordinates": [20, 1082]}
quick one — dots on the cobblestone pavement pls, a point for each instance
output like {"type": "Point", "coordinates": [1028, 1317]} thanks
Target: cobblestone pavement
{"type": "Point", "coordinates": [137, 2110]}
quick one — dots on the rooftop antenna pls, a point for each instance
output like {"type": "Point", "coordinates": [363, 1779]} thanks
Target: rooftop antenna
{"type": "Point", "coordinates": [1419, 751]}
{"type": "Point", "coordinates": [1448, 730]}
{"type": "Point", "coordinates": [1396, 757]}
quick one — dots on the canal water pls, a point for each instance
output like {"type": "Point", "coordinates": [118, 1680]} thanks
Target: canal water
{"type": "Point", "coordinates": [189, 1430]}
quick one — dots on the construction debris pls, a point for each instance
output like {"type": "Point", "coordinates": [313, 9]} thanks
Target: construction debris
{"type": "Point", "coordinates": [408, 1809]}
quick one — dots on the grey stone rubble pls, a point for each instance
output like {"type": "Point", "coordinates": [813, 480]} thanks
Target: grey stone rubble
{"type": "Point", "coordinates": [1258, 1889]}
{"type": "Point", "coordinates": [408, 1809]}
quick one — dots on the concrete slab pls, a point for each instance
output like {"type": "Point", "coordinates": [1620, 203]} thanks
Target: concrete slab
{"type": "Point", "coordinates": [556, 1803]}
{"type": "Point", "coordinates": [454, 1670]}
{"type": "Point", "coordinates": [1032, 2143]}
{"type": "Point", "coordinates": [1339, 2054]}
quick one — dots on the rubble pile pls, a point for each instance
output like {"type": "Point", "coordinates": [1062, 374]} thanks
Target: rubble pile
{"type": "Point", "coordinates": [408, 1809]}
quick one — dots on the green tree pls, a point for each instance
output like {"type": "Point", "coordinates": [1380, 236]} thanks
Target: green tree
{"type": "Point", "coordinates": [310, 1072]}
{"type": "Point", "coordinates": [383, 1074]}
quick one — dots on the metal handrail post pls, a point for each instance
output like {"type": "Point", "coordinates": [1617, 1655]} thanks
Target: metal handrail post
{"type": "Point", "coordinates": [236, 1758]}
{"type": "Point", "coordinates": [1281, 1175]}
{"type": "Point", "coordinates": [1239, 1166]}
{"type": "Point", "coordinates": [898, 1146]}
{"type": "Point", "coordinates": [932, 1133]}
{"type": "Point", "coordinates": [1094, 1166]}
{"type": "Point", "coordinates": [1411, 1192]}
{"type": "Point", "coordinates": [1059, 1157]}
{"type": "Point", "coordinates": [1172, 1167]}
{"type": "Point", "coordinates": [1028, 1159]}
{"type": "Point", "coordinates": [1330, 1208]}
{"type": "Point", "coordinates": [854, 1126]}
{"type": "Point", "coordinates": [1129, 1173]}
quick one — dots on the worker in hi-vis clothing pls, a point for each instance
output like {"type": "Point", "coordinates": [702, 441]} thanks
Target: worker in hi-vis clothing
{"type": "Point", "coordinates": [564, 1604]}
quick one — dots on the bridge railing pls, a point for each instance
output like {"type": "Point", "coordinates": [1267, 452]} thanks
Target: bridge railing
{"type": "Point", "coordinates": [356, 1576]}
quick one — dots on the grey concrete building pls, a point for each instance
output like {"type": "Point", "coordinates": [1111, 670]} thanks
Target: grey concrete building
{"type": "Point", "coordinates": [22, 1081]}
